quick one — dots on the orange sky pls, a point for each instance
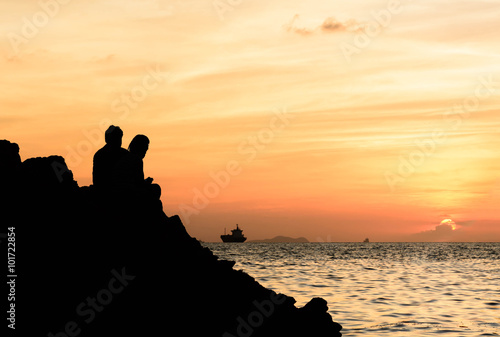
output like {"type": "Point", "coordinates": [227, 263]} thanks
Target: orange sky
{"type": "Point", "coordinates": [332, 120]}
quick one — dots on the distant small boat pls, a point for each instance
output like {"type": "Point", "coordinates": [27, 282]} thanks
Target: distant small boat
{"type": "Point", "coordinates": [366, 240]}
{"type": "Point", "coordinates": [236, 236]}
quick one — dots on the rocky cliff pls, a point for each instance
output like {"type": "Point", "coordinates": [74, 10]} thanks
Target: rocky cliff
{"type": "Point", "coordinates": [99, 264]}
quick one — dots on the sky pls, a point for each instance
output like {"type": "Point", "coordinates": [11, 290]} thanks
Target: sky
{"type": "Point", "coordinates": [332, 120]}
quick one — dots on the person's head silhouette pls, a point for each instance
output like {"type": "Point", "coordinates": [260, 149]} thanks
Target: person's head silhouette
{"type": "Point", "coordinates": [113, 136]}
{"type": "Point", "coordinates": [139, 145]}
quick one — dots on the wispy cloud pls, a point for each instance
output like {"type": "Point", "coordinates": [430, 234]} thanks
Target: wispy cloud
{"type": "Point", "coordinates": [329, 25]}
{"type": "Point", "coordinates": [333, 25]}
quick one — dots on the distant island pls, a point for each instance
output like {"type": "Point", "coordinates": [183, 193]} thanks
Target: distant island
{"type": "Point", "coordinates": [281, 239]}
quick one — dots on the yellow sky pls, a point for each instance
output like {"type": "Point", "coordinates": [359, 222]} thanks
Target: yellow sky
{"type": "Point", "coordinates": [332, 120]}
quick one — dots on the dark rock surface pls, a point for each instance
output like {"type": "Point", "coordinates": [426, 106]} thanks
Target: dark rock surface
{"type": "Point", "coordinates": [91, 263]}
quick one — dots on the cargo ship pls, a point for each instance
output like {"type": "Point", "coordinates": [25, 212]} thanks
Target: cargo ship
{"type": "Point", "coordinates": [236, 236]}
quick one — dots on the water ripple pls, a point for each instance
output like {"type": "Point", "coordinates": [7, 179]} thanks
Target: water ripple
{"type": "Point", "coordinates": [375, 289]}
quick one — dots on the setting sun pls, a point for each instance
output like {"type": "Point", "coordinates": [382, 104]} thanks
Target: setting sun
{"type": "Point", "coordinates": [450, 223]}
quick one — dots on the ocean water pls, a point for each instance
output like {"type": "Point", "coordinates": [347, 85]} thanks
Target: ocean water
{"type": "Point", "coordinates": [384, 289]}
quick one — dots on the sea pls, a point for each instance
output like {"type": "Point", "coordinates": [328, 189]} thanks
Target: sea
{"type": "Point", "coordinates": [384, 289]}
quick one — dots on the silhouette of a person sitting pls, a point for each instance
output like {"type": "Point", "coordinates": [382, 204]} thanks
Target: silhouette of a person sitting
{"type": "Point", "coordinates": [105, 159]}
{"type": "Point", "coordinates": [128, 174]}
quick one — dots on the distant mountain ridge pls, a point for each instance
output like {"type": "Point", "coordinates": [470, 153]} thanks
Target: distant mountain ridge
{"type": "Point", "coordinates": [284, 239]}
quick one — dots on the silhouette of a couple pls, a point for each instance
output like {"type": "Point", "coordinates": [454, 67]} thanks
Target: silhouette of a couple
{"type": "Point", "coordinates": [118, 170]}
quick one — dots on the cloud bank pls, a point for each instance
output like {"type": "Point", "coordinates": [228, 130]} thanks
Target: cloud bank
{"type": "Point", "coordinates": [447, 230]}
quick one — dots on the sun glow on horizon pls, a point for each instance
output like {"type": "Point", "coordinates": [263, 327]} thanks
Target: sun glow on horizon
{"type": "Point", "coordinates": [450, 223]}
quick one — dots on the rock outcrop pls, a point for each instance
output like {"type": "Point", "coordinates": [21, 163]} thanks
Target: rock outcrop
{"type": "Point", "coordinates": [96, 264]}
